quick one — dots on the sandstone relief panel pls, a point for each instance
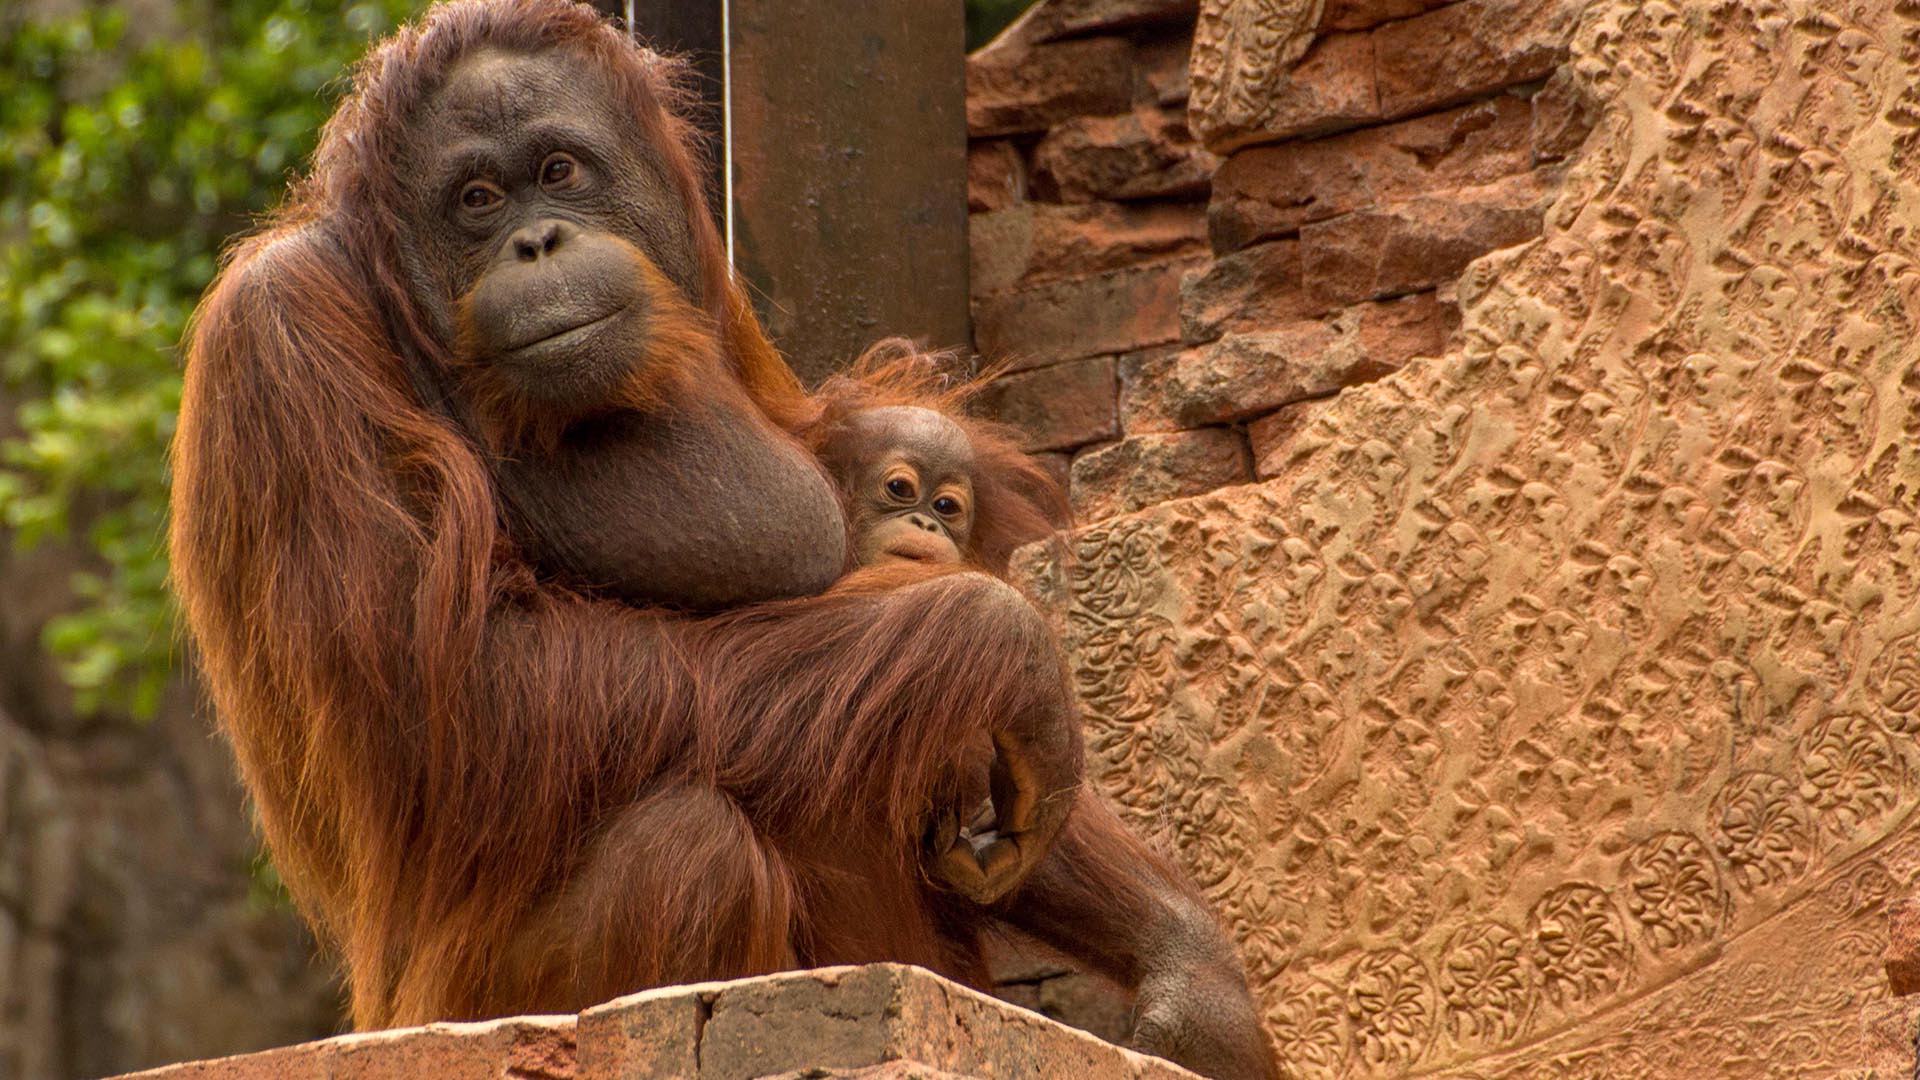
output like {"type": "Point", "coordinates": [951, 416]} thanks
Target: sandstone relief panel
{"type": "Point", "coordinates": [1243, 55]}
{"type": "Point", "coordinates": [1553, 712]}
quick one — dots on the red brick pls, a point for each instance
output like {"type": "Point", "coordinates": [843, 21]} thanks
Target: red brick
{"type": "Point", "coordinates": [1113, 312]}
{"type": "Point", "coordinates": [496, 1050]}
{"type": "Point", "coordinates": [1148, 154]}
{"type": "Point", "coordinates": [1255, 287]}
{"type": "Point", "coordinates": [1418, 244]}
{"type": "Point", "coordinates": [842, 1022]}
{"type": "Point", "coordinates": [1902, 955]}
{"type": "Point", "coordinates": [1468, 50]}
{"type": "Point", "coordinates": [1283, 438]}
{"type": "Point", "coordinates": [493, 1050]}
{"type": "Point", "coordinates": [996, 175]}
{"type": "Point", "coordinates": [1014, 87]}
{"type": "Point", "coordinates": [1246, 374]}
{"type": "Point", "coordinates": [652, 1035]}
{"type": "Point", "coordinates": [1142, 470]}
{"type": "Point", "coordinates": [1331, 87]}
{"type": "Point", "coordinates": [307, 1061]}
{"type": "Point", "coordinates": [1057, 407]}
{"type": "Point", "coordinates": [1143, 400]}
{"type": "Point", "coordinates": [879, 1022]}
{"type": "Point", "coordinates": [1268, 191]}
{"type": "Point", "coordinates": [1039, 241]}
{"type": "Point", "coordinates": [1058, 463]}
{"type": "Point", "coordinates": [1365, 14]}
{"type": "Point", "coordinates": [1162, 75]}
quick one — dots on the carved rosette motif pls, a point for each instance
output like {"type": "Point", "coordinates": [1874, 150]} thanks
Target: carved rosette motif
{"type": "Point", "coordinates": [1578, 945]}
{"type": "Point", "coordinates": [1762, 830]}
{"type": "Point", "coordinates": [1673, 892]}
{"type": "Point", "coordinates": [1553, 714]}
{"type": "Point", "coordinates": [1486, 984]}
{"type": "Point", "coordinates": [1390, 1007]}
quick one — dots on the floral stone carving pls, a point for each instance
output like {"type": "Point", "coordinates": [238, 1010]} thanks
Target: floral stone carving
{"type": "Point", "coordinates": [1552, 714]}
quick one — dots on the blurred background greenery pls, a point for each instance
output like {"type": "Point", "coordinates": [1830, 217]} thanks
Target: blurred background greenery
{"type": "Point", "coordinates": [128, 155]}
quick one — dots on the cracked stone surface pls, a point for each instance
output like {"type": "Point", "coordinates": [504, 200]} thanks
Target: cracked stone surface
{"type": "Point", "coordinates": [877, 1022]}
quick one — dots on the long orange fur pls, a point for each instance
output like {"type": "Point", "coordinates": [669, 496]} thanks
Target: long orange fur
{"type": "Point", "coordinates": [492, 795]}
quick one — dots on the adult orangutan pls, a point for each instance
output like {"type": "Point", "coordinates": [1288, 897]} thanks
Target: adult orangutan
{"type": "Point", "coordinates": [498, 794]}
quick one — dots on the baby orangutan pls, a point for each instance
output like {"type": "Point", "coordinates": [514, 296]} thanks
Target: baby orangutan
{"type": "Point", "coordinates": [921, 486]}
{"type": "Point", "coordinates": [918, 484]}
{"type": "Point", "coordinates": [906, 476]}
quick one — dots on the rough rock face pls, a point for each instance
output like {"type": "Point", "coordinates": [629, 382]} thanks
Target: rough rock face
{"type": "Point", "coordinates": [128, 933]}
{"type": "Point", "coordinates": [1551, 710]}
{"type": "Point", "coordinates": [36, 888]}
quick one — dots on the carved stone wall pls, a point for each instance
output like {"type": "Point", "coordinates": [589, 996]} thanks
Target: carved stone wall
{"type": "Point", "coordinates": [1551, 711]}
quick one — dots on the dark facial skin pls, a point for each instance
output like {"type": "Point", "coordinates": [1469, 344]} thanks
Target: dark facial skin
{"type": "Point", "coordinates": [540, 213]}
{"type": "Point", "coordinates": [556, 254]}
{"type": "Point", "coordinates": [908, 475]}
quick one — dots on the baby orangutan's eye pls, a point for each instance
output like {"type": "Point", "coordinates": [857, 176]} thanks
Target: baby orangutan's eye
{"type": "Point", "coordinates": [946, 506]}
{"type": "Point", "coordinates": [900, 487]}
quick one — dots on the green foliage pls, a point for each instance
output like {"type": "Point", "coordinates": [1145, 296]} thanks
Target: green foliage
{"type": "Point", "coordinates": [986, 18]}
{"type": "Point", "coordinates": [124, 164]}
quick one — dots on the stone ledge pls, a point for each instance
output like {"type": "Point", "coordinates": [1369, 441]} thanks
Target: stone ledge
{"type": "Point", "coordinates": [881, 1020]}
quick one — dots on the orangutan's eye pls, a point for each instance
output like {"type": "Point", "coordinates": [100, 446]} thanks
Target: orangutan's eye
{"type": "Point", "coordinates": [480, 196]}
{"type": "Point", "coordinates": [559, 171]}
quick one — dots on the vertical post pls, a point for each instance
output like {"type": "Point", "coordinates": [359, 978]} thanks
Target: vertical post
{"type": "Point", "coordinates": [845, 128]}
{"type": "Point", "coordinates": [849, 172]}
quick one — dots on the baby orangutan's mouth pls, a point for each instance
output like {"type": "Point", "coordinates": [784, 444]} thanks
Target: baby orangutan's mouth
{"type": "Point", "coordinates": [923, 547]}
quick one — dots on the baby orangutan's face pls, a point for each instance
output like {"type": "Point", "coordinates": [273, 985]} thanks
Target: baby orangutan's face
{"type": "Point", "coordinates": [908, 473]}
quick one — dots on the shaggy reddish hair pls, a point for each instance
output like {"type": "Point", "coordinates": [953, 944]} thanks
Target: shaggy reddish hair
{"type": "Point", "coordinates": [491, 794]}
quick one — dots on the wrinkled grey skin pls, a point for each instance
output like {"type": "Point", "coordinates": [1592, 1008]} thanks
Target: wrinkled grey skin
{"type": "Point", "coordinates": [701, 503]}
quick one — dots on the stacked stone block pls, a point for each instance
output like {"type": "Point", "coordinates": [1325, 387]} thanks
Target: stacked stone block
{"type": "Point", "coordinates": [1165, 299]}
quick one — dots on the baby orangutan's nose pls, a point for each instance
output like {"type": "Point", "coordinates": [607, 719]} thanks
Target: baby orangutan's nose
{"type": "Point", "coordinates": [924, 522]}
